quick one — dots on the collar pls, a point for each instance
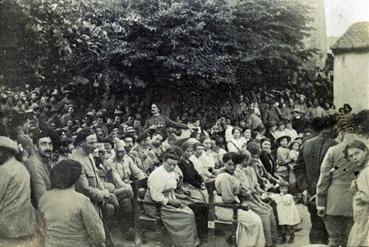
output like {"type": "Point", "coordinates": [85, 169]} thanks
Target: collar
{"type": "Point", "coordinates": [81, 151]}
{"type": "Point", "coordinates": [43, 160]}
{"type": "Point", "coordinates": [226, 171]}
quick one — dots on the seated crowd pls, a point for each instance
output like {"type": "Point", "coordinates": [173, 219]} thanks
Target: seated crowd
{"type": "Point", "coordinates": [67, 165]}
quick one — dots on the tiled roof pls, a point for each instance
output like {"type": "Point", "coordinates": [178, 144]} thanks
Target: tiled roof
{"type": "Point", "coordinates": [355, 38]}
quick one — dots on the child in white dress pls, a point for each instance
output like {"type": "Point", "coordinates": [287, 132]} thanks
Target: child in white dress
{"type": "Point", "coordinates": [288, 215]}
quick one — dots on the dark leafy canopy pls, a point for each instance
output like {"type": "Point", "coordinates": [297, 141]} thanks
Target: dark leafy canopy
{"type": "Point", "coordinates": [179, 44]}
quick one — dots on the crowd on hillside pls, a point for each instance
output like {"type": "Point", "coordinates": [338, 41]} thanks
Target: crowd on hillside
{"type": "Point", "coordinates": [70, 154]}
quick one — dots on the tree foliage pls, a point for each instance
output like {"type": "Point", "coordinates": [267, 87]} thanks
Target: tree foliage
{"type": "Point", "coordinates": [172, 44]}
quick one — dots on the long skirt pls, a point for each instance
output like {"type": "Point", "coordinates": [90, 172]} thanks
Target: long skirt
{"type": "Point", "coordinates": [266, 214]}
{"type": "Point", "coordinates": [179, 223]}
{"type": "Point", "coordinates": [249, 228]}
{"type": "Point", "coordinates": [360, 229]}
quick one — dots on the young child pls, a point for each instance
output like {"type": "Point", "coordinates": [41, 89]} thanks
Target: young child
{"type": "Point", "coordinates": [282, 157]}
{"type": "Point", "coordinates": [292, 156]}
{"type": "Point", "coordinates": [294, 150]}
{"type": "Point", "coordinates": [288, 215]}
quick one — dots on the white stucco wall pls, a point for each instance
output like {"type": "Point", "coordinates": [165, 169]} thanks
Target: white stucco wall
{"type": "Point", "coordinates": [351, 80]}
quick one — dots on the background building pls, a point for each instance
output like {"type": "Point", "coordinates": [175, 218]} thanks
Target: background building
{"type": "Point", "coordinates": [351, 67]}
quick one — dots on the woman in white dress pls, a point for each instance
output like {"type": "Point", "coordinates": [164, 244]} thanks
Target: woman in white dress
{"type": "Point", "coordinates": [250, 228]}
{"type": "Point", "coordinates": [238, 143]}
{"type": "Point", "coordinates": [178, 219]}
{"type": "Point", "coordinates": [357, 153]}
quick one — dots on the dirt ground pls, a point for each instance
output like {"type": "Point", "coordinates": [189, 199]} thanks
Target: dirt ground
{"type": "Point", "coordinates": [302, 237]}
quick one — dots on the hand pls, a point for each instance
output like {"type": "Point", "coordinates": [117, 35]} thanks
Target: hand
{"type": "Point", "coordinates": [175, 203]}
{"type": "Point", "coordinates": [321, 212]}
{"type": "Point", "coordinates": [153, 127]}
{"type": "Point", "coordinates": [264, 196]}
{"type": "Point", "coordinates": [353, 187]}
{"type": "Point", "coordinates": [113, 200]}
{"type": "Point", "coordinates": [203, 187]}
{"type": "Point", "coordinates": [106, 194]}
{"type": "Point", "coordinates": [186, 192]}
{"type": "Point", "coordinates": [306, 197]}
{"type": "Point", "coordinates": [182, 196]}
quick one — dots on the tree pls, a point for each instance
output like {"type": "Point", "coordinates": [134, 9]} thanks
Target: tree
{"type": "Point", "coordinates": [169, 45]}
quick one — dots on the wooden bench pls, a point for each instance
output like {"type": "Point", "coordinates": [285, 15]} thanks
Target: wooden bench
{"type": "Point", "coordinates": [144, 222]}
{"type": "Point", "coordinates": [214, 223]}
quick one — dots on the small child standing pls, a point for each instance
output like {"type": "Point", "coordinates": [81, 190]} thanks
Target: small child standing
{"type": "Point", "coordinates": [288, 215]}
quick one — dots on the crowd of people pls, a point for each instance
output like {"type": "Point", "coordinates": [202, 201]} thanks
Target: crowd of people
{"type": "Point", "coordinates": [70, 154]}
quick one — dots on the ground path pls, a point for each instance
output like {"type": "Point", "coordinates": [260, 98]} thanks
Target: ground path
{"type": "Point", "coordinates": [302, 237]}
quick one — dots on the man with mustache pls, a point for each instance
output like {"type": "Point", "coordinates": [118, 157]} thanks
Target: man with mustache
{"type": "Point", "coordinates": [159, 121]}
{"type": "Point", "coordinates": [40, 164]}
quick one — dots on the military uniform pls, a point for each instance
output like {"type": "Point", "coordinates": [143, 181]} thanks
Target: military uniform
{"type": "Point", "coordinates": [333, 192]}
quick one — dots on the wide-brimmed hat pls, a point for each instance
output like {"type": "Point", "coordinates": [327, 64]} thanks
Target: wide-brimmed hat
{"type": "Point", "coordinates": [282, 137]}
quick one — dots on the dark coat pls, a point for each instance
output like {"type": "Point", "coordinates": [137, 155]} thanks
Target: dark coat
{"type": "Point", "coordinates": [268, 162]}
{"type": "Point", "coordinates": [190, 175]}
{"type": "Point", "coordinates": [307, 168]}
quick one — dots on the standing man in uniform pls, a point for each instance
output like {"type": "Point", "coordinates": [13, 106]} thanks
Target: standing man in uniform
{"type": "Point", "coordinates": [307, 171]}
{"type": "Point", "coordinates": [39, 165]}
{"type": "Point", "coordinates": [334, 198]}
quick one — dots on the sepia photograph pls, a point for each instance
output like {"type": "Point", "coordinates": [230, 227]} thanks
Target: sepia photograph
{"type": "Point", "coordinates": [184, 123]}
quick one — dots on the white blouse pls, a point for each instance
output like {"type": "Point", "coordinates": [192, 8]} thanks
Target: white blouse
{"type": "Point", "coordinates": [236, 145]}
{"type": "Point", "coordinates": [161, 184]}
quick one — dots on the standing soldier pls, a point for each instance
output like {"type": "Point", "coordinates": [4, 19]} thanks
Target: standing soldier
{"type": "Point", "coordinates": [40, 163]}
{"type": "Point", "coordinates": [17, 216]}
{"type": "Point", "coordinates": [307, 171]}
{"type": "Point", "coordinates": [334, 199]}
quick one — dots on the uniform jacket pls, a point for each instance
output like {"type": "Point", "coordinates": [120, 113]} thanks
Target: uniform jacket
{"type": "Point", "coordinates": [271, 115]}
{"type": "Point", "coordinates": [17, 216]}
{"type": "Point", "coordinates": [123, 171]}
{"type": "Point", "coordinates": [161, 121]}
{"type": "Point", "coordinates": [39, 170]}
{"type": "Point", "coordinates": [336, 176]}
{"type": "Point", "coordinates": [71, 220]}
{"type": "Point", "coordinates": [141, 158]}
{"type": "Point", "coordinates": [89, 183]}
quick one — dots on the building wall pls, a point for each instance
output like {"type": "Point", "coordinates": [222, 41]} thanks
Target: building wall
{"type": "Point", "coordinates": [351, 80]}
